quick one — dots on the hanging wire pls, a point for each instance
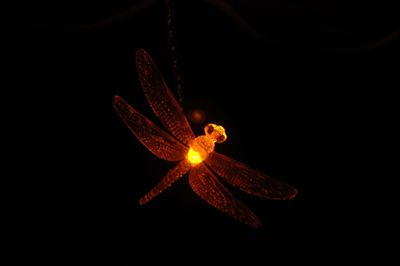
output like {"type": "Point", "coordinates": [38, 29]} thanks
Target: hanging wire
{"type": "Point", "coordinates": [230, 13]}
{"type": "Point", "coordinates": [172, 44]}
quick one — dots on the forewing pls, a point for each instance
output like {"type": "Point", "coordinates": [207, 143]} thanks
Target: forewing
{"type": "Point", "coordinates": [208, 187]}
{"type": "Point", "coordinates": [171, 177]}
{"type": "Point", "coordinates": [155, 139]}
{"type": "Point", "coordinates": [249, 180]}
{"type": "Point", "coordinates": [161, 99]}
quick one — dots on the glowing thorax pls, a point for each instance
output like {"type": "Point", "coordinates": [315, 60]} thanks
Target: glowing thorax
{"type": "Point", "coordinates": [204, 145]}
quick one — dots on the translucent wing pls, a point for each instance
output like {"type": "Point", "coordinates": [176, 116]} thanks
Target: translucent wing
{"type": "Point", "coordinates": [161, 99]}
{"type": "Point", "coordinates": [207, 186]}
{"type": "Point", "coordinates": [249, 180]}
{"type": "Point", "coordinates": [171, 177]}
{"type": "Point", "coordinates": [155, 139]}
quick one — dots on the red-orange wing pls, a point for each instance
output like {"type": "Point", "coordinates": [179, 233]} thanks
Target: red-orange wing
{"type": "Point", "coordinates": [171, 177]}
{"type": "Point", "coordinates": [249, 180]}
{"type": "Point", "coordinates": [161, 99]}
{"type": "Point", "coordinates": [155, 139]}
{"type": "Point", "coordinates": [207, 186]}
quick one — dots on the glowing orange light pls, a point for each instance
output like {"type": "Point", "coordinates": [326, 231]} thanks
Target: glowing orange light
{"type": "Point", "coordinates": [194, 157]}
{"type": "Point", "coordinates": [197, 116]}
{"type": "Point", "coordinates": [195, 154]}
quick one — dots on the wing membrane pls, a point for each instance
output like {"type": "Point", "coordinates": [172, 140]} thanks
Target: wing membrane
{"type": "Point", "coordinates": [161, 99]}
{"type": "Point", "coordinates": [249, 180]}
{"type": "Point", "coordinates": [171, 177]}
{"type": "Point", "coordinates": [155, 139]}
{"type": "Point", "coordinates": [206, 185]}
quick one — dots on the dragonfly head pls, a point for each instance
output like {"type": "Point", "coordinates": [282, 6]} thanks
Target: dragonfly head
{"type": "Point", "coordinates": [215, 132]}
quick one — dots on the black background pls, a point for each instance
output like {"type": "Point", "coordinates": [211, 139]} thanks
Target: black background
{"type": "Point", "coordinates": [305, 90]}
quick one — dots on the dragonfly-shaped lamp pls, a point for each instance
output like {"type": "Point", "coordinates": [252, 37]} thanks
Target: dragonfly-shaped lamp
{"type": "Point", "coordinates": [195, 155]}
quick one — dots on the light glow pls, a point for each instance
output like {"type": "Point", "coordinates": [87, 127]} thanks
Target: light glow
{"type": "Point", "coordinates": [194, 157]}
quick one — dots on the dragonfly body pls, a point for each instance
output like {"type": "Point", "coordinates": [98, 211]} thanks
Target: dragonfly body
{"type": "Point", "coordinates": [195, 155]}
{"type": "Point", "coordinates": [203, 145]}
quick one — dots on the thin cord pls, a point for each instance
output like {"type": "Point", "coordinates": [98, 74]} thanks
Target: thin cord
{"type": "Point", "coordinates": [172, 43]}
